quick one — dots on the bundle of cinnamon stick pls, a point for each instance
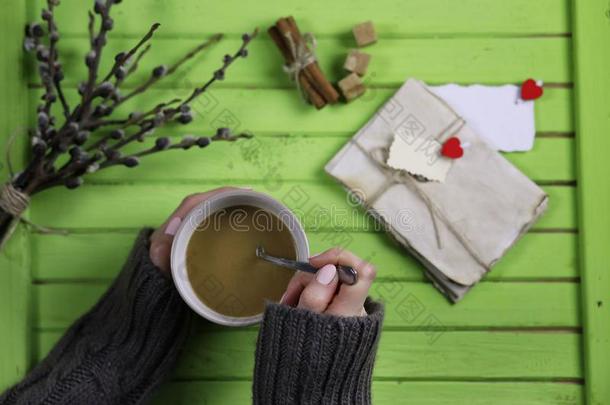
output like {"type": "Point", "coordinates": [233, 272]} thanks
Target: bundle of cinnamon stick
{"type": "Point", "coordinates": [312, 82]}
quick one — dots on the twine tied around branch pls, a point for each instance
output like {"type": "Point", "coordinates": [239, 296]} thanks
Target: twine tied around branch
{"type": "Point", "coordinates": [13, 201]}
{"type": "Point", "coordinates": [303, 54]}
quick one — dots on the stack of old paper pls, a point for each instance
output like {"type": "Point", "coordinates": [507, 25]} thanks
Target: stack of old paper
{"type": "Point", "coordinates": [458, 217]}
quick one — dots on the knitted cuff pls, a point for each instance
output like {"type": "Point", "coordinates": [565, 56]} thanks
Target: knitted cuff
{"type": "Point", "coordinates": [303, 357]}
{"type": "Point", "coordinates": [118, 351]}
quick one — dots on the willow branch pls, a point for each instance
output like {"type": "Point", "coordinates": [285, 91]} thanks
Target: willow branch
{"type": "Point", "coordinates": [94, 57]}
{"type": "Point", "coordinates": [160, 72]}
{"type": "Point", "coordinates": [122, 58]}
{"type": "Point", "coordinates": [163, 144]}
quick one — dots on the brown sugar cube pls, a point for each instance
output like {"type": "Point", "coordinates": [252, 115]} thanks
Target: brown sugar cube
{"type": "Point", "coordinates": [351, 86]}
{"type": "Point", "coordinates": [357, 62]}
{"type": "Point", "coordinates": [365, 33]}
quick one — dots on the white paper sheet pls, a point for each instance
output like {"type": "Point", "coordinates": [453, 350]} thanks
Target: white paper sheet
{"type": "Point", "coordinates": [493, 113]}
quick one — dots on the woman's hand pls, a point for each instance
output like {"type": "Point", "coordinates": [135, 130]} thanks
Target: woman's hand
{"type": "Point", "coordinates": [162, 238]}
{"type": "Point", "coordinates": [322, 293]}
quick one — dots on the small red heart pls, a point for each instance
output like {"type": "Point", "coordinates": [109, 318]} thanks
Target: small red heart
{"type": "Point", "coordinates": [530, 90]}
{"type": "Point", "coordinates": [452, 148]}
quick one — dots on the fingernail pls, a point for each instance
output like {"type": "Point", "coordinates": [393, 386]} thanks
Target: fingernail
{"type": "Point", "coordinates": [158, 256]}
{"type": "Point", "coordinates": [173, 226]}
{"type": "Point", "coordinates": [283, 298]}
{"type": "Point", "coordinates": [314, 256]}
{"type": "Point", "coordinates": [326, 274]}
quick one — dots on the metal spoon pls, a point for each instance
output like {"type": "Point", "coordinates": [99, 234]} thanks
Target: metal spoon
{"type": "Point", "coordinates": [347, 275]}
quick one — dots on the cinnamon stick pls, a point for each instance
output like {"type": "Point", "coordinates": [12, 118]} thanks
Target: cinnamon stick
{"type": "Point", "coordinates": [331, 94]}
{"type": "Point", "coordinates": [288, 26]}
{"type": "Point", "coordinates": [313, 96]}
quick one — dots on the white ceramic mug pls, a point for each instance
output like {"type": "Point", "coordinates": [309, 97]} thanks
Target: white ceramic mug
{"type": "Point", "coordinates": [197, 215]}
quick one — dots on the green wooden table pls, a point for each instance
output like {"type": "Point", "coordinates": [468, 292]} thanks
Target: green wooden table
{"type": "Point", "coordinates": [535, 331]}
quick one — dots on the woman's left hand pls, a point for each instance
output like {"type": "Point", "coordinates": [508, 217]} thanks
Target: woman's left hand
{"type": "Point", "coordinates": [162, 238]}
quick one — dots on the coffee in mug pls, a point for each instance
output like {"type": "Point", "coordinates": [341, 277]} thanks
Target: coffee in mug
{"type": "Point", "coordinates": [213, 259]}
{"type": "Point", "coordinates": [222, 265]}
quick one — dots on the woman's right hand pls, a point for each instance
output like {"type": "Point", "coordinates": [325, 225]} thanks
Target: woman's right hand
{"type": "Point", "coordinates": [322, 292]}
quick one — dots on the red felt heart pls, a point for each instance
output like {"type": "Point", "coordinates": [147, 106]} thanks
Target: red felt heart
{"type": "Point", "coordinates": [530, 90]}
{"type": "Point", "coordinates": [452, 148]}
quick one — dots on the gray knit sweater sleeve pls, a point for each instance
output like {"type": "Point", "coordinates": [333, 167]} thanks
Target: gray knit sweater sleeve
{"type": "Point", "coordinates": [118, 351]}
{"type": "Point", "coordinates": [307, 358]}
{"type": "Point", "coordinates": [126, 345]}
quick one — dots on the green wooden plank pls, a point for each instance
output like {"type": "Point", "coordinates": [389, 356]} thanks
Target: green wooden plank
{"type": "Point", "coordinates": [413, 354]}
{"type": "Point", "coordinates": [476, 393]}
{"type": "Point", "coordinates": [550, 160]}
{"type": "Point", "coordinates": [539, 256]}
{"type": "Point", "coordinates": [536, 251]}
{"type": "Point", "coordinates": [554, 111]}
{"type": "Point", "coordinates": [392, 392]}
{"type": "Point", "coordinates": [15, 307]}
{"type": "Point", "coordinates": [488, 304]}
{"type": "Point", "coordinates": [461, 354]}
{"type": "Point", "coordinates": [592, 63]}
{"type": "Point", "coordinates": [208, 393]}
{"type": "Point", "coordinates": [438, 60]}
{"type": "Point", "coordinates": [318, 205]}
{"type": "Point", "coordinates": [408, 305]}
{"type": "Point", "coordinates": [14, 260]}
{"type": "Point", "coordinates": [280, 111]}
{"type": "Point", "coordinates": [411, 17]}
{"type": "Point", "coordinates": [416, 355]}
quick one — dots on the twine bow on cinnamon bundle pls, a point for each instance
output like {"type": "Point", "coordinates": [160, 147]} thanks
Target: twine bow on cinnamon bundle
{"type": "Point", "coordinates": [301, 62]}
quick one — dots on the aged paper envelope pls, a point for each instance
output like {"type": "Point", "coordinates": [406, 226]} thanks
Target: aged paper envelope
{"type": "Point", "coordinates": [458, 229]}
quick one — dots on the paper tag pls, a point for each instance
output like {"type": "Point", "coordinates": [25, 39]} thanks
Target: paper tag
{"type": "Point", "coordinates": [419, 156]}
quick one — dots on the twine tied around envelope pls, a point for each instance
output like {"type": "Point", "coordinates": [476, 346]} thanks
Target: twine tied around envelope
{"type": "Point", "coordinates": [303, 54]}
{"type": "Point", "coordinates": [411, 180]}
{"type": "Point", "coordinates": [400, 177]}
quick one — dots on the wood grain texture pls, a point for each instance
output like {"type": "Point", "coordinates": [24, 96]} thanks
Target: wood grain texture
{"type": "Point", "coordinates": [551, 160]}
{"type": "Point", "coordinates": [319, 205]}
{"type": "Point", "coordinates": [281, 112]}
{"type": "Point", "coordinates": [15, 309]}
{"type": "Point", "coordinates": [409, 305]}
{"type": "Point", "coordinates": [592, 61]}
{"type": "Point", "coordinates": [514, 339]}
{"type": "Point", "coordinates": [412, 355]}
{"type": "Point", "coordinates": [84, 256]}
{"type": "Point", "coordinates": [434, 60]}
{"type": "Point", "coordinates": [14, 260]}
{"type": "Point", "coordinates": [406, 18]}
{"type": "Point", "coordinates": [407, 392]}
